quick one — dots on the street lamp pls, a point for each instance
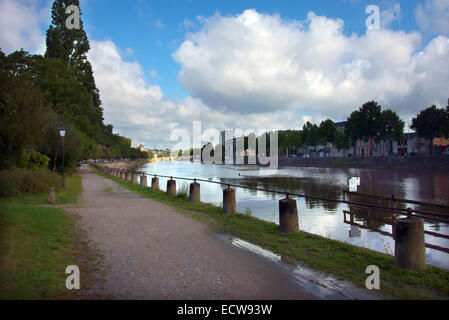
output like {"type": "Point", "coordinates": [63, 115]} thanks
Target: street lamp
{"type": "Point", "coordinates": [62, 133]}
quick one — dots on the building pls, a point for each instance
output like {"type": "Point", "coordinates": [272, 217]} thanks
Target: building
{"type": "Point", "coordinates": [412, 144]}
{"type": "Point", "coordinates": [141, 148]}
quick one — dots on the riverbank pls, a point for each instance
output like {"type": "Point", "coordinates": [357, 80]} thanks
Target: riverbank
{"type": "Point", "coordinates": [340, 259]}
{"type": "Point", "coordinates": [37, 243]}
{"type": "Point", "coordinates": [436, 162]}
{"type": "Point", "coordinates": [151, 251]}
{"type": "Point", "coordinates": [130, 165]}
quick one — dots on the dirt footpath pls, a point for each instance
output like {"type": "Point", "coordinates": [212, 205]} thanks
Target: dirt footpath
{"type": "Point", "coordinates": [153, 252]}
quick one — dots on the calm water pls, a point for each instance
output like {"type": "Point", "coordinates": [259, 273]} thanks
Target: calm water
{"type": "Point", "coordinates": [320, 217]}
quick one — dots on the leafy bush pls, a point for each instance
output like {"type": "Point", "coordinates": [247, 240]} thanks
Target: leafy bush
{"type": "Point", "coordinates": [20, 181]}
{"type": "Point", "coordinates": [34, 160]}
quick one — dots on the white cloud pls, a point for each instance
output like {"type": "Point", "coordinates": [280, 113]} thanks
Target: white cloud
{"type": "Point", "coordinates": [20, 22]}
{"type": "Point", "coordinates": [139, 110]}
{"type": "Point", "coordinates": [259, 63]}
{"type": "Point", "coordinates": [433, 16]}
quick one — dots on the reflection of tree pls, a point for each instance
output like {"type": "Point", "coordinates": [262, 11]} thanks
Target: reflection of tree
{"type": "Point", "coordinates": [307, 186]}
{"type": "Point", "coordinates": [372, 218]}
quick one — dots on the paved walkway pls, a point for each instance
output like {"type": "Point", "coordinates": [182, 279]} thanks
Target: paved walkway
{"type": "Point", "coordinates": [153, 252]}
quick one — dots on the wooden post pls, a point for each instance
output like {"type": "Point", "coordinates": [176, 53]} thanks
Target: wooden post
{"type": "Point", "coordinates": [195, 194]}
{"type": "Point", "coordinates": [229, 204]}
{"type": "Point", "coordinates": [288, 215]}
{"type": "Point", "coordinates": [410, 247]}
{"type": "Point", "coordinates": [171, 187]}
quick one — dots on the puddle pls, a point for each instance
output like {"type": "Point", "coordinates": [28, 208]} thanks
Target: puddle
{"type": "Point", "coordinates": [317, 283]}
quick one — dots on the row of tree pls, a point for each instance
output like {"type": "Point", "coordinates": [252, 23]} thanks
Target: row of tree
{"type": "Point", "coordinates": [40, 93]}
{"type": "Point", "coordinates": [370, 124]}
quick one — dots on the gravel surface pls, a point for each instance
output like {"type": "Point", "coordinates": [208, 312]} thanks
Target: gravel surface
{"type": "Point", "coordinates": [153, 252]}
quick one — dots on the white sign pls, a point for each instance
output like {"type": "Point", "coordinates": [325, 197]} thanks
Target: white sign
{"type": "Point", "coordinates": [353, 183]}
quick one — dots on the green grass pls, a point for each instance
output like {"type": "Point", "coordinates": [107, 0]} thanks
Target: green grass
{"type": "Point", "coordinates": [63, 196]}
{"type": "Point", "coordinates": [342, 260]}
{"type": "Point", "coordinates": [37, 244]}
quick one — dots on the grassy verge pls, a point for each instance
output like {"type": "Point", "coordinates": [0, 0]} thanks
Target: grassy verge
{"type": "Point", "coordinates": [340, 259]}
{"type": "Point", "coordinates": [37, 243]}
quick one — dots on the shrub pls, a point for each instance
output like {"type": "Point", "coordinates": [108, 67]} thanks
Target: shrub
{"type": "Point", "coordinates": [20, 181]}
{"type": "Point", "coordinates": [34, 160]}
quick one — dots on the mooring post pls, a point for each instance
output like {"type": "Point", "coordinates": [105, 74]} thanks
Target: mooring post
{"type": "Point", "coordinates": [155, 183]}
{"type": "Point", "coordinates": [52, 196]}
{"type": "Point", "coordinates": [229, 205]}
{"type": "Point", "coordinates": [171, 187]}
{"type": "Point", "coordinates": [143, 180]}
{"type": "Point", "coordinates": [288, 215]}
{"type": "Point", "coordinates": [195, 194]}
{"type": "Point", "coordinates": [135, 178]}
{"type": "Point", "coordinates": [410, 247]}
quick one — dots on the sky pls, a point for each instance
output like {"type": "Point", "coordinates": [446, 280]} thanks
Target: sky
{"type": "Point", "coordinates": [257, 65]}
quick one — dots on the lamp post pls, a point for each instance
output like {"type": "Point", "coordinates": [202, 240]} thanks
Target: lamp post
{"type": "Point", "coordinates": [62, 133]}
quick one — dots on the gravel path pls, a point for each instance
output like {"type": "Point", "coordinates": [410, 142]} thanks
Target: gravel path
{"type": "Point", "coordinates": [153, 252]}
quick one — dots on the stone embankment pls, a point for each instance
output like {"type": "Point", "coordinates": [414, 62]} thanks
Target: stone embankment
{"type": "Point", "coordinates": [436, 162]}
{"type": "Point", "coordinates": [125, 165]}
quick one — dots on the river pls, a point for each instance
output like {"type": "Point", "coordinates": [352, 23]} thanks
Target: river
{"type": "Point", "coordinates": [320, 217]}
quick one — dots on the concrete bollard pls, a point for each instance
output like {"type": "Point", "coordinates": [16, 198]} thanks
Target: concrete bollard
{"type": "Point", "coordinates": [171, 187]}
{"type": "Point", "coordinates": [143, 181]}
{"type": "Point", "coordinates": [155, 184]}
{"type": "Point", "coordinates": [288, 215]}
{"type": "Point", "coordinates": [52, 196]}
{"type": "Point", "coordinates": [410, 247]}
{"type": "Point", "coordinates": [229, 205]}
{"type": "Point", "coordinates": [195, 194]}
{"type": "Point", "coordinates": [135, 178]}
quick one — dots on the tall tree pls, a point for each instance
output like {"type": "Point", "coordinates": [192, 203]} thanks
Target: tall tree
{"type": "Point", "coordinates": [431, 123]}
{"type": "Point", "coordinates": [311, 135]}
{"type": "Point", "coordinates": [71, 46]}
{"type": "Point", "coordinates": [365, 124]}
{"type": "Point", "coordinates": [328, 131]}
{"type": "Point", "coordinates": [392, 127]}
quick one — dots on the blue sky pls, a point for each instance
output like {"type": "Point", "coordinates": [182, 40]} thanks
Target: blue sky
{"type": "Point", "coordinates": [155, 29]}
{"type": "Point", "coordinates": [253, 65]}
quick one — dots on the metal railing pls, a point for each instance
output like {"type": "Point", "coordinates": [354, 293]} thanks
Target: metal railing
{"type": "Point", "coordinates": [427, 215]}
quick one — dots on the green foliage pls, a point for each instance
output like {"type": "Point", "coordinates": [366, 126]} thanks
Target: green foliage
{"type": "Point", "coordinates": [392, 126]}
{"type": "Point", "coordinates": [38, 94]}
{"type": "Point", "coordinates": [22, 111]}
{"type": "Point", "coordinates": [432, 123]}
{"type": "Point", "coordinates": [34, 160]}
{"type": "Point", "coordinates": [328, 131]}
{"type": "Point", "coordinates": [311, 135]}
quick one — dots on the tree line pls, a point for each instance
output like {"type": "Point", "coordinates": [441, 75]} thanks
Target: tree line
{"type": "Point", "coordinates": [39, 93]}
{"type": "Point", "coordinates": [369, 124]}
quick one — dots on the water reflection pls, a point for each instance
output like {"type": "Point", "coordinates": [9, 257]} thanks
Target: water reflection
{"type": "Point", "coordinates": [323, 217]}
